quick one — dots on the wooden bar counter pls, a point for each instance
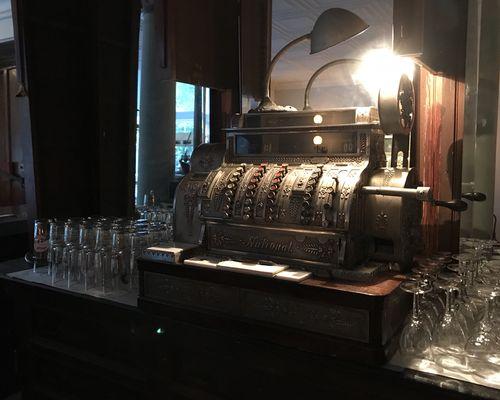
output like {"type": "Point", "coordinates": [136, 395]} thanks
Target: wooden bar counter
{"type": "Point", "coordinates": [71, 345]}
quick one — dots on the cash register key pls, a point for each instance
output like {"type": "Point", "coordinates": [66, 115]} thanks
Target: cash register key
{"type": "Point", "coordinates": [276, 180]}
{"type": "Point", "coordinates": [270, 218]}
{"type": "Point", "coordinates": [251, 186]}
{"type": "Point", "coordinates": [278, 174]}
{"type": "Point", "coordinates": [274, 187]}
{"type": "Point", "coordinates": [230, 185]}
{"type": "Point", "coordinates": [250, 193]}
{"type": "Point", "coordinates": [226, 214]}
{"type": "Point", "coordinates": [271, 202]}
{"type": "Point", "coordinates": [309, 188]}
{"type": "Point", "coordinates": [306, 204]}
{"type": "Point", "coordinates": [229, 193]}
{"type": "Point", "coordinates": [236, 174]}
{"type": "Point", "coordinates": [233, 179]}
{"type": "Point", "coordinates": [247, 209]}
{"type": "Point", "coordinates": [248, 202]}
{"type": "Point", "coordinates": [307, 196]}
{"type": "Point", "coordinates": [271, 195]}
{"type": "Point", "coordinates": [257, 175]}
{"type": "Point", "coordinates": [311, 182]}
{"type": "Point", "coordinates": [271, 210]}
{"type": "Point", "coordinates": [246, 217]}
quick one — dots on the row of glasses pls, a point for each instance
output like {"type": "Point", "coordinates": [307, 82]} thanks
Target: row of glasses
{"type": "Point", "coordinates": [101, 253]}
{"type": "Point", "coordinates": [463, 333]}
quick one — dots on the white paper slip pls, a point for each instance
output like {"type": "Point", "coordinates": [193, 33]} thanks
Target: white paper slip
{"type": "Point", "coordinates": [252, 268]}
{"type": "Point", "coordinates": [295, 275]}
{"type": "Point", "coordinates": [202, 261]}
{"type": "Point", "coordinates": [169, 252]}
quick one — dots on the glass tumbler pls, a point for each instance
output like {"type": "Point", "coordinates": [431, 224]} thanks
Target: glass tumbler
{"type": "Point", "coordinates": [56, 245]}
{"type": "Point", "coordinates": [40, 244]}
{"type": "Point", "coordinates": [86, 254]}
{"type": "Point", "coordinates": [70, 251]}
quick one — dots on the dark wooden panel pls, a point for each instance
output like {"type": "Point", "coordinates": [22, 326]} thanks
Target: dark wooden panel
{"type": "Point", "coordinates": [5, 192]}
{"type": "Point", "coordinates": [12, 136]}
{"type": "Point", "coordinates": [173, 353]}
{"type": "Point", "coordinates": [439, 147]}
{"type": "Point", "coordinates": [201, 41]}
{"type": "Point", "coordinates": [255, 42]}
{"type": "Point", "coordinates": [434, 31]}
{"type": "Point", "coordinates": [82, 92]}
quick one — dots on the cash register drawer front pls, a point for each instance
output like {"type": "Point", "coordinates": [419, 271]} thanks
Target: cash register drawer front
{"type": "Point", "coordinates": [275, 243]}
{"type": "Point", "coordinates": [254, 305]}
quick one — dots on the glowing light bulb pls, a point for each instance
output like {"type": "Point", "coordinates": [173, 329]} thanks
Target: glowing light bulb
{"type": "Point", "coordinates": [379, 68]}
{"type": "Point", "coordinates": [317, 140]}
{"type": "Point", "coordinates": [318, 119]}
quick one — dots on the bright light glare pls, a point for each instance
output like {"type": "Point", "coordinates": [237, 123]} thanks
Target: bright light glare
{"type": "Point", "coordinates": [318, 119]}
{"type": "Point", "coordinates": [379, 67]}
{"type": "Point", "coordinates": [317, 140]}
{"type": "Point", "coordinates": [494, 378]}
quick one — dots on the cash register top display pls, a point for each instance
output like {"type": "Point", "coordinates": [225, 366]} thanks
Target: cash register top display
{"type": "Point", "coordinates": [309, 189]}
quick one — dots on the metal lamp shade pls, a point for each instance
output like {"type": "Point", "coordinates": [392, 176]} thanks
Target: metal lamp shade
{"type": "Point", "coordinates": [334, 26]}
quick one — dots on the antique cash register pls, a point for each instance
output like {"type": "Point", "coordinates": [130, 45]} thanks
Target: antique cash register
{"type": "Point", "coordinates": [308, 192]}
{"type": "Point", "coordinates": [311, 189]}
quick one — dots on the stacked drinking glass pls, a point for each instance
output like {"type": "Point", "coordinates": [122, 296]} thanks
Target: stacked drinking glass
{"type": "Point", "coordinates": [100, 253]}
{"type": "Point", "coordinates": [454, 319]}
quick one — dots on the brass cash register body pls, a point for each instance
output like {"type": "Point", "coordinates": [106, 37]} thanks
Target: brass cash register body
{"type": "Point", "coordinates": [287, 187]}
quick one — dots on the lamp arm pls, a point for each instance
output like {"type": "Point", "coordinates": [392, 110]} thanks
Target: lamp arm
{"type": "Point", "coordinates": [276, 59]}
{"type": "Point", "coordinates": [320, 71]}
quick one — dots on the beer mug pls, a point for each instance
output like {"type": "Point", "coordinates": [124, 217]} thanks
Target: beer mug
{"type": "Point", "coordinates": [40, 244]}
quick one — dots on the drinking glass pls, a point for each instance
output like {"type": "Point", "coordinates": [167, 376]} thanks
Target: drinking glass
{"type": "Point", "coordinates": [102, 256]}
{"type": "Point", "coordinates": [40, 243]}
{"type": "Point", "coordinates": [449, 336]}
{"type": "Point", "coordinates": [86, 253]}
{"type": "Point", "coordinates": [121, 232]}
{"type": "Point", "coordinates": [431, 303]}
{"type": "Point", "coordinates": [416, 337]}
{"type": "Point", "coordinates": [138, 245]}
{"type": "Point", "coordinates": [56, 245]}
{"type": "Point", "coordinates": [464, 302]}
{"type": "Point", "coordinates": [70, 251]}
{"type": "Point", "coordinates": [483, 346]}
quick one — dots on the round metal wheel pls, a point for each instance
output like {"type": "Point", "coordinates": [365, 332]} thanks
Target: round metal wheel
{"type": "Point", "coordinates": [396, 106]}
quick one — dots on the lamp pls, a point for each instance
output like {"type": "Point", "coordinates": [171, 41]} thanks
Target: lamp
{"type": "Point", "coordinates": [332, 27]}
{"type": "Point", "coordinates": [320, 71]}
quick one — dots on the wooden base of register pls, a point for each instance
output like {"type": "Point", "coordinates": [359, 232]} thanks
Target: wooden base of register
{"type": "Point", "coordinates": [351, 321]}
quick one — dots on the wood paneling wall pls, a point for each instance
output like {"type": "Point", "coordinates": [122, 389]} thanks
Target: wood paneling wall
{"type": "Point", "coordinates": [11, 141]}
{"type": "Point", "coordinates": [439, 155]}
{"type": "Point", "coordinates": [78, 64]}
{"type": "Point", "coordinates": [200, 41]}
